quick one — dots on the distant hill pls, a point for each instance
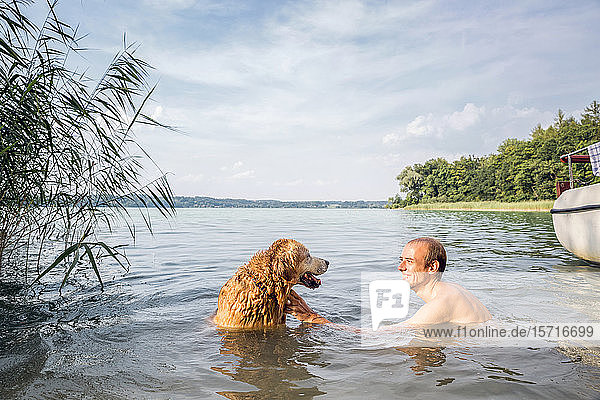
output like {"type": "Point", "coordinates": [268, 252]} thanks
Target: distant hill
{"type": "Point", "coordinates": [210, 202]}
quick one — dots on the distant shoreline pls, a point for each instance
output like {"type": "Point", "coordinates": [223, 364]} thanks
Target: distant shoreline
{"type": "Point", "coordinates": [212, 202]}
{"type": "Point", "coordinates": [529, 206]}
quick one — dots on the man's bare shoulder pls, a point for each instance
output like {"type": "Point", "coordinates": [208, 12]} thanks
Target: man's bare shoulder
{"type": "Point", "coordinates": [465, 306]}
{"type": "Point", "coordinates": [452, 303]}
{"type": "Point", "coordinates": [453, 292]}
{"type": "Point", "coordinates": [434, 312]}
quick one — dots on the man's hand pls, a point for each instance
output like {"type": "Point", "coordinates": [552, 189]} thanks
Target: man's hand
{"type": "Point", "coordinates": [297, 307]}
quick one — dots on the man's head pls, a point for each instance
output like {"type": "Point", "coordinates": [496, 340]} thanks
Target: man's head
{"type": "Point", "coordinates": [435, 254]}
{"type": "Point", "coordinates": [420, 258]}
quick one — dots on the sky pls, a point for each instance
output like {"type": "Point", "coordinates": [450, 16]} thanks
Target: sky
{"type": "Point", "coordinates": [330, 100]}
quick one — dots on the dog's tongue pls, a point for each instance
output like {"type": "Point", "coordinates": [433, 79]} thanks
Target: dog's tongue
{"type": "Point", "coordinates": [310, 281]}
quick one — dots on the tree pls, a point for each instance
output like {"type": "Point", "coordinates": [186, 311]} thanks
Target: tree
{"type": "Point", "coordinates": [591, 121]}
{"type": "Point", "coordinates": [411, 183]}
{"type": "Point", "coordinates": [68, 157]}
{"type": "Point", "coordinates": [521, 169]}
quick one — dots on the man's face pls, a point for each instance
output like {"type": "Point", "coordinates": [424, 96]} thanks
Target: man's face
{"type": "Point", "coordinates": [412, 264]}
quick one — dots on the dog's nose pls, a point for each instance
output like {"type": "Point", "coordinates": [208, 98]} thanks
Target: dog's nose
{"type": "Point", "coordinates": [326, 262]}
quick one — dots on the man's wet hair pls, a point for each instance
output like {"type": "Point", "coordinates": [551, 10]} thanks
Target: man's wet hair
{"type": "Point", "coordinates": [435, 251]}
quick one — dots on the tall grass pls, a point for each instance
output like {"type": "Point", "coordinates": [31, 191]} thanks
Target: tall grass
{"type": "Point", "coordinates": [68, 157]}
{"type": "Point", "coordinates": [539, 205]}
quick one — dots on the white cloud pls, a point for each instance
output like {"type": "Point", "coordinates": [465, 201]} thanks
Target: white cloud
{"type": "Point", "coordinates": [190, 178]}
{"type": "Point", "coordinates": [390, 138]}
{"type": "Point", "coordinates": [236, 165]}
{"type": "Point", "coordinates": [296, 182]}
{"type": "Point", "coordinates": [423, 125]}
{"type": "Point", "coordinates": [430, 125]}
{"type": "Point", "coordinates": [323, 182]}
{"type": "Point", "coordinates": [525, 117]}
{"type": "Point", "coordinates": [169, 4]}
{"type": "Point", "coordinates": [250, 174]}
{"type": "Point", "coordinates": [157, 113]}
{"type": "Point", "coordinates": [469, 116]}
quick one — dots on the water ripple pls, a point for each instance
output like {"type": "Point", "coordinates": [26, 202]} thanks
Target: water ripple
{"type": "Point", "coordinates": [148, 335]}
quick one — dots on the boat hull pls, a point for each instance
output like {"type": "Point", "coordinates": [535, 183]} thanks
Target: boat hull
{"type": "Point", "coordinates": [576, 219]}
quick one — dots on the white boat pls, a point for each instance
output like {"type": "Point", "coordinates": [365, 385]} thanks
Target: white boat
{"type": "Point", "coordinates": [576, 215]}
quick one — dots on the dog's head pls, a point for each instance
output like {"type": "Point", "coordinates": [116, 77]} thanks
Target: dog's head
{"type": "Point", "coordinates": [297, 264]}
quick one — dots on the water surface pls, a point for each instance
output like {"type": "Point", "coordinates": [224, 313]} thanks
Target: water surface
{"type": "Point", "coordinates": [148, 336]}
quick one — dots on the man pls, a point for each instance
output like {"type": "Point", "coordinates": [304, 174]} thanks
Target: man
{"type": "Point", "coordinates": [422, 263]}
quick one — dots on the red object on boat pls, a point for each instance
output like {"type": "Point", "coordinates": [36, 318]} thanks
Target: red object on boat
{"type": "Point", "coordinates": [561, 186]}
{"type": "Point", "coordinates": [577, 159]}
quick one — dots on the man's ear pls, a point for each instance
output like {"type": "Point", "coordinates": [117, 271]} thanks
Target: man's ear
{"type": "Point", "coordinates": [434, 266]}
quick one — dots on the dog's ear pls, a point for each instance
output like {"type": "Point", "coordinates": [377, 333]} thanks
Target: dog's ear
{"type": "Point", "coordinates": [287, 263]}
{"type": "Point", "coordinates": [286, 254]}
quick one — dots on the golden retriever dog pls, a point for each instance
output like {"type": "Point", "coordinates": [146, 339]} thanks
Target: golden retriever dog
{"type": "Point", "coordinates": [256, 295]}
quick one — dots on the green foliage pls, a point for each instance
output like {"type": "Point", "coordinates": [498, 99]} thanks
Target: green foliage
{"type": "Point", "coordinates": [411, 181]}
{"type": "Point", "coordinates": [522, 170]}
{"type": "Point", "coordinates": [68, 158]}
{"type": "Point", "coordinates": [535, 205]}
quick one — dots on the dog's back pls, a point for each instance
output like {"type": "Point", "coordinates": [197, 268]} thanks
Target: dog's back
{"type": "Point", "coordinates": [252, 298]}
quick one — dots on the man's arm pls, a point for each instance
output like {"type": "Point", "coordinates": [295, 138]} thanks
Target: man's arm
{"type": "Point", "coordinates": [299, 309]}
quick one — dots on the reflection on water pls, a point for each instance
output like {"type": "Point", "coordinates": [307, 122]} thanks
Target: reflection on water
{"type": "Point", "coordinates": [424, 358]}
{"type": "Point", "coordinates": [274, 361]}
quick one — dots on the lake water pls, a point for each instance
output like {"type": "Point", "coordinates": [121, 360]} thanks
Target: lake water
{"type": "Point", "coordinates": [148, 336]}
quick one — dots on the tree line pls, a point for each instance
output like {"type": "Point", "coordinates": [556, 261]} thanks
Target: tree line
{"type": "Point", "coordinates": [211, 202]}
{"type": "Point", "coordinates": [521, 170]}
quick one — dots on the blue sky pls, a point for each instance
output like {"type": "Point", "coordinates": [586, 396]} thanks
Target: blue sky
{"type": "Point", "coordinates": [331, 100]}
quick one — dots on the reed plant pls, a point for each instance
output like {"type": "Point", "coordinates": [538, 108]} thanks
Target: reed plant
{"type": "Point", "coordinates": [68, 154]}
{"type": "Point", "coordinates": [537, 205]}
